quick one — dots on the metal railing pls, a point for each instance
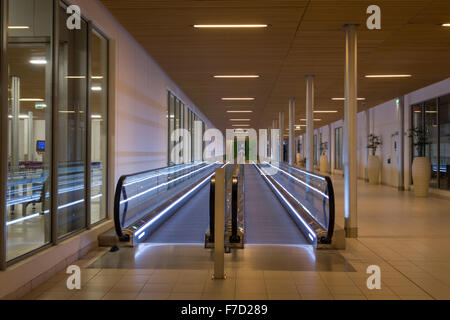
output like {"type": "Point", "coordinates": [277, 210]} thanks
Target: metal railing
{"type": "Point", "coordinates": [147, 198]}
{"type": "Point", "coordinates": [307, 196]}
{"type": "Point", "coordinates": [234, 208]}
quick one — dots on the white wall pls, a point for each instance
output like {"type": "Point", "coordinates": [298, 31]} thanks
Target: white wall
{"type": "Point", "coordinates": [140, 94]}
{"type": "Point", "coordinates": [384, 122]}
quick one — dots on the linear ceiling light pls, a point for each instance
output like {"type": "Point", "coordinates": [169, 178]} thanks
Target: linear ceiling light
{"type": "Point", "coordinates": [38, 61]}
{"type": "Point", "coordinates": [96, 88]}
{"type": "Point", "coordinates": [325, 111]}
{"type": "Point", "coordinates": [388, 76]}
{"type": "Point", "coordinates": [31, 100]}
{"type": "Point", "coordinates": [446, 25]}
{"type": "Point", "coordinates": [240, 120]}
{"type": "Point", "coordinates": [238, 99]}
{"type": "Point", "coordinates": [230, 25]}
{"type": "Point", "coordinates": [75, 77]}
{"type": "Point", "coordinates": [18, 27]}
{"type": "Point", "coordinates": [236, 77]}
{"type": "Point", "coordinates": [343, 99]}
{"type": "Point", "coordinates": [239, 111]}
{"type": "Point", "coordinates": [97, 77]}
{"type": "Point", "coordinates": [241, 125]}
{"type": "Point", "coordinates": [314, 120]}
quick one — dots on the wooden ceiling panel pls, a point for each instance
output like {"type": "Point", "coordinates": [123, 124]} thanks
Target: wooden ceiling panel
{"type": "Point", "coordinates": [304, 37]}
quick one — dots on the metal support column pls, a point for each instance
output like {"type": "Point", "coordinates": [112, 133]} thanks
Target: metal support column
{"type": "Point", "coordinates": [273, 152]}
{"type": "Point", "coordinates": [366, 139]}
{"type": "Point", "coordinates": [350, 132]}
{"type": "Point", "coordinates": [88, 176]}
{"type": "Point", "coordinates": [292, 153]}
{"type": "Point", "coordinates": [309, 123]}
{"type": "Point", "coordinates": [281, 143]}
{"type": "Point", "coordinates": [401, 143]}
{"type": "Point", "coordinates": [55, 120]}
{"type": "Point", "coordinates": [3, 127]}
{"type": "Point", "coordinates": [219, 221]}
{"type": "Point", "coordinates": [15, 130]}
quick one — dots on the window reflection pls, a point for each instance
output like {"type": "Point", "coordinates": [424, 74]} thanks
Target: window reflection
{"type": "Point", "coordinates": [72, 127]}
{"type": "Point", "coordinates": [29, 128]}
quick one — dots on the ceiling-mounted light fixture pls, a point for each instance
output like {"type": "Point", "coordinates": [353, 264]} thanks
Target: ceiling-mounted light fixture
{"type": "Point", "coordinates": [325, 111]}
{"type": "Point", "coordinates": [96, 88]}
{"type": "Point", "coordinates": [239, 111]}
{"type": "Point", "coordinates": [240, 120]}
{"type": "Point", "coordinates": [230, 25]}
{"type": "Point", "coordinates": [343, 99]}
{"type": "Point", "coordinates": [38, 61]}
{"type": "Point", "coordinates": [446, 25]}
{"type": "Point", "coordinates": [238, 99]}
{"type": "Point", "coordinates": [31, 100]}
{"type": "Point", "coordinates": [388, 76]}
{"type": "Point", "coordinates": [18, 27]}
{"type": "Point", "coordinates": [236, 77]}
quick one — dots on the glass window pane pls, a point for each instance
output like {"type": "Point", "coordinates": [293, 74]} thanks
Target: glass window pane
{"type": "Point", "coordinates": [171, 126]}
{"type": "Point", "coordinates": [72, 127]}
{"type": "Point", "coordinates": [431, 127]}
{"type": "Point", "coordinates": [444, 127]}
{"type": "Point", "coordinates": [99, 126]}
{"type": "Point", "coordinates": [30, 119]}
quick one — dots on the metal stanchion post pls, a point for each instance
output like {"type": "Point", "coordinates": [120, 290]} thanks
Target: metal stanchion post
{"type": "Point", "coordinates": [219, 235]}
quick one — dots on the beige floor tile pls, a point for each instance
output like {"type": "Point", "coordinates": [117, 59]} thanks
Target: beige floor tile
{"type": "Point", "coordinates": [120, 296]}
{"type": "Point", "coordinates": [153, 296]}
{"type": "Point", "coordinates": [284, 296]}
{"type": "Point", "coordinates": [188, 288]}
{"type": "Point", "coordinates": [88, 295]}
{"type": "Point", "coordinates": [251, 286]}
{"type": "Point", "coordinates": [349, 297]}
{"type": "Point", "coordinates": [218, 296]}
{"type": "Point", "coordinates": [345, 290]}
{"type": "Point", "coordinates": [158, 288]}
{"type": "Point", "coordinates": [185, 296]}
{"type": "Point", "coordinates": [251, 296]}
{"type": "Point", "coordinates": [319, 296]}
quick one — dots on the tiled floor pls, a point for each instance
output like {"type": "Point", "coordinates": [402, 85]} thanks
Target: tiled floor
{"type": "Point", "coordinates": [408, 238]}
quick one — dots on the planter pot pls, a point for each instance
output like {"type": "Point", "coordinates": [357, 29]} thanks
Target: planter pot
{"type": "Point", "coordinates": [299, 159]}
{"type": "Point", "coordinates": [373, 169]}
{"type": "Point", "coordinates": [421, 172]}
{"type": "Point", "coordinates": [324, 164]}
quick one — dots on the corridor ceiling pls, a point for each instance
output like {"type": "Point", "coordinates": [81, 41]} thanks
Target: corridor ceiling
{"type": "Point", "coordinates": [303, 37]}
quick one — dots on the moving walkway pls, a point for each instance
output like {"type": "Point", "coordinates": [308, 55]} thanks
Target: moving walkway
{"type": "Point", "coordinates": [291, 206]}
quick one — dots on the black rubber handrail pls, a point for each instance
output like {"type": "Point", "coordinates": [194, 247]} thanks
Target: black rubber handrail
{"type": "Point", "coordinates": [331, 204]}
{"type": "Point", "coordinates": [234, 238]}
{"type": "Point", "coordinates": [212, 209]}
{"type": "Point", "coordinates": [119, 189]}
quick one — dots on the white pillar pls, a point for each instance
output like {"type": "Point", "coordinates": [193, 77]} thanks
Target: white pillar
{"type": "Point", "coordinates": [350, 132]}
{"type": "Point", "coordinates": [292, 153]}
{"type": "Point", "coordinates": [219, 211]}
{"type": "Point", "coordinates": [309, 123]}
{"type": "Point", "coordinates": [366, 140]}
{"type": "Point", "coordinates": [280, 145]}
{"type": "Point", "coordinates": [401, 143]}
{"type": "Point", "coordinates": [272, 146]}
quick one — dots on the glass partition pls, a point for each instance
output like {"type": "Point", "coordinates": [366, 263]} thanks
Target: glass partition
{"type": "Point", "coordinates": [72, 126]}
{"type": "Point", "coordinates": [137, 195]}
{"type": "Point", "coordinates": [30, 125]}
{"type": "Point", "coordinates": [99, 126]}
{"type": "Point", "coordinates": [314, 194]}
{"type": "Point", "coordinates": [432, 117]}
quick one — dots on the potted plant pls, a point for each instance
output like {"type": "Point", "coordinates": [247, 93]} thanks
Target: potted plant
{"type": "Point", "coordinates": [324, 157]}
{"type": "Point", "coordinates": [373, 162]}
{"type": "Point", "coordinates": [421, 168]}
